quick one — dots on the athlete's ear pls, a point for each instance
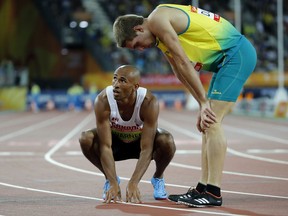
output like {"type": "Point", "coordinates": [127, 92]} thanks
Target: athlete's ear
{"type": "Point", "coordinates": [137, 86]}
{"type": "Point", "coordinates": [138, 28]}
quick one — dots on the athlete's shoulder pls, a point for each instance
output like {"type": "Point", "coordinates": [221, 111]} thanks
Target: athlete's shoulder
{"type": "Point", "coordinates": [102, 93]}
{"type": "Point", "coordinates": [165, 13]}
{"type": "Point", "coordinates": [160, 11]}
{"type": "Point", "coordinates": [102, 98]}
{"type": "Point", "coordinates": [150, 99]}
{"type": "Point", "coordinates": [171, 5]}
{"type": "Point", "coordinates": [150, 107]}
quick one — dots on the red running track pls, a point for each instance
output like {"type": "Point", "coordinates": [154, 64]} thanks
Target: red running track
{"type": "Point", "coordinates": [44, 173]}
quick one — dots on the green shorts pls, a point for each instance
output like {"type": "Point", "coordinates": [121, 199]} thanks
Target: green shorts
{"type": "Point", "coordinates": [227, 83]}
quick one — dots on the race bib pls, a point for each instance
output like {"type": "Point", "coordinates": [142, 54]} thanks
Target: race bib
{"type": "Point", "coordinates": [212, 16]}
{"type": "Point", "coordinates": [198, 66]}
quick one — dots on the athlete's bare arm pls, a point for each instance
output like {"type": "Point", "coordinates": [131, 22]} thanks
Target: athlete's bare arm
{"type": "Point", "coordinates": [162, 28]}
{"type": "Point", "coordinates": [102, 113]}
{"type": "Point", "coordinates": [149, 114]}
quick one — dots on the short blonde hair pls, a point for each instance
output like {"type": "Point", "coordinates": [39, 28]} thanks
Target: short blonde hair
{"type": "Point", "coordinates": [123, 28]}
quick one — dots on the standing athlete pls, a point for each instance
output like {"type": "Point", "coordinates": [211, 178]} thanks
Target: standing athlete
{"type": "Point", "coordinates": [126, 128]}
{"type": "Point", "coordinates": [193, 39]}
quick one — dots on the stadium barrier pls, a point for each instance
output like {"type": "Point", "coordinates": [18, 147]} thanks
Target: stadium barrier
{"type": "Point", "coordinates": [61, 100]}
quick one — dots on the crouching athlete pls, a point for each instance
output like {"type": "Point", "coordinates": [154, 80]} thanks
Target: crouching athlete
{"type": "Point", "coordinates": [127, 128]}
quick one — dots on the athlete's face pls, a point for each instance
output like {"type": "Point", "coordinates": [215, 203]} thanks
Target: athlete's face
{"type": "Point", "coordinates": [143, 40]}
{"type": "Point", "coordinates": [123, 85]}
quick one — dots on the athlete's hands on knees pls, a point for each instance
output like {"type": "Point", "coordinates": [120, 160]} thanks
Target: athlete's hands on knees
{"type": "Point", "coordinates": [132, 193]}
{"type": "Point", "coordinates": [114, 193]}
{"type": "Point", "coordinates": [207, 116]}
{"type": "Point", "coordinates": [198, 124]}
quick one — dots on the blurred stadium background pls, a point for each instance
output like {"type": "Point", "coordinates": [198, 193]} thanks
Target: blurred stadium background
{"type": "Point", "coordinates": [49, 46]}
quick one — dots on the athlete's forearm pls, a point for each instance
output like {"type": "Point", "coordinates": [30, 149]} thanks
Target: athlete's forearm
{"type": "Point", "coordinates": [108, 164]}
{"type": "Point", "coordinates": [186, 84]}
{"type": "Point", "coordinates": [189, 77]}
{"type": "Point", "coordinates": [142, 165]}
{"type": "Point", "coordinates": [185, 72]}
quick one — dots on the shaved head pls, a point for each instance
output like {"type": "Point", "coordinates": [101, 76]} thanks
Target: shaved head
{"type": "Point", "coordinates": [132, 73]}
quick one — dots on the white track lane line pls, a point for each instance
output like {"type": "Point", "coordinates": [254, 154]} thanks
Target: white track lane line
{"type": "Point", "coordinates": [74, 132]}
{"type": "Point", "coordinates": [34, 127]}
{"type": "Point", "coordinates": [231, 151]}
{"type": "Point", "coordinates": [184, 209]}
{"type": "Point", "coordinates": [86, 121]}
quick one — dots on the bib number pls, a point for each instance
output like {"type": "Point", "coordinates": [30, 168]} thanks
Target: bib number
{"type": "Point", "coordinates": [210, 15]}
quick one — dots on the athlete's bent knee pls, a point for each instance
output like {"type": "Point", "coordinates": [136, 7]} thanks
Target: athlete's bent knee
{"type": "Point", "coordinates": [214, 128]}
{"type": "Point", "coordinates": [86, 139]}
{"type": "Point", "coordinates": [166, 142]}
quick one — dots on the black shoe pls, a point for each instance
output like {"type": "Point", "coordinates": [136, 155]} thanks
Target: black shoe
{"type": "Point", "coordinates": [190, 194]}
{"type": "Point", "coordinates": [202, 200]}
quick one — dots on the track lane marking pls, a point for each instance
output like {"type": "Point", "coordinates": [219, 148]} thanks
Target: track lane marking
{"type": "Point", "coordinates": [34, 127]}
{"type": "Point", "coordinates": [17, 154]}
{"type": "Point", "coordinates": [185, 209]}
{"type": "Point", "coordinates": [48, 158]}
{"type": "Point", "coordinates": [230, 150]}
{"type": "Point", "coordinates": [59, 146]}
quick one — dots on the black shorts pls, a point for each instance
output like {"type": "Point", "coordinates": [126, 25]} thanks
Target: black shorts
{"type": "Point", "coordinates": [124, 151]}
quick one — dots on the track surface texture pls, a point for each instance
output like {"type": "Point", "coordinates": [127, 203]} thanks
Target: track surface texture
{"type": "Point", "coordinates": [44, 173]}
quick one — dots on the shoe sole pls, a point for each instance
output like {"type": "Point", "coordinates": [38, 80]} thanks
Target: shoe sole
{"type": "Point", "coordinates": [197, 206]}
{"type": "Point", "coordinates": [160, 198]}
{"type": "Point", "coordinates": [173, 201]}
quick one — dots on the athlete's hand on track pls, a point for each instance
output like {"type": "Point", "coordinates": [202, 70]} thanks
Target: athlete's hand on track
{"type": "Point", "coordinates": [132, 193]}
{"type": "Point", "coordinates": [114, 193]}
